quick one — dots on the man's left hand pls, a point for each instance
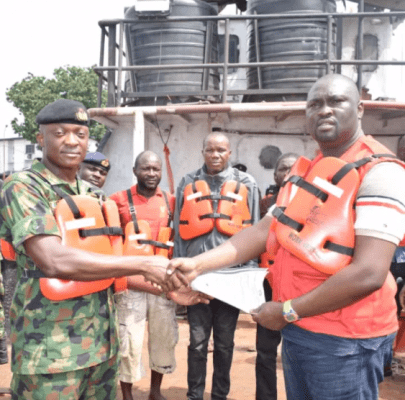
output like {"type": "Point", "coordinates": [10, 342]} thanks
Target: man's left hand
{"type": "Point", "coordinates": [270, 316]}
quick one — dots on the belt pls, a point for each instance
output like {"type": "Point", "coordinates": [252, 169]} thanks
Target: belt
{"type": "Point", "coordinates": [32, 273]}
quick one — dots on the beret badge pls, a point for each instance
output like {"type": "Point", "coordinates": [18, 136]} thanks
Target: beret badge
{"type": "Point", "coordinates": [81, 115]}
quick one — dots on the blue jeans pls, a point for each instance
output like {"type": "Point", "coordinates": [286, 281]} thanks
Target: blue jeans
{"type": "Point", "coordinates": [324, 367]}
{"type": "Point", "coordinates": [222, 319]}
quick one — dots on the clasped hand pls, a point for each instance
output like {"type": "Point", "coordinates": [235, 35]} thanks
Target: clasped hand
{"type": "Point", "coordinates": [179, 272]}
{"type": "Point", "coordinates": [176, 280]}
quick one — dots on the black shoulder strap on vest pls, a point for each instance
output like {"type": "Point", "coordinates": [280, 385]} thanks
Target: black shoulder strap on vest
{"type": "Point", "coordinates": [356, 164]}
{"type": "Point", "coordinates": [169, 211]}
{"type": "Point", "coordinates": [72, 205]}
{"type": "Point", "coordinates": [107, 230]}
{"type": "Point", "coordinates": [132, 211]}
{"type": "Point", "coordinates": [237, 178]}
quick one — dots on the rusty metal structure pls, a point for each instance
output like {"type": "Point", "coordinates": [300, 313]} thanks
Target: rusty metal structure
{"type": "Point", "coordinates": [113, 65]}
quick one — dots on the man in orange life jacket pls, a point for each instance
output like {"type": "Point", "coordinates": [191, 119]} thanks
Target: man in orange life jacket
{"type": "Point", "coordinates": [216, 316]}
{"type": "Point", "coordinates": [337, 327]}
{"type": "Point", "coordinates": [155, 206]}
{"type": "Point", "coordinates": [267, 340]}
{"type": "Point", "coordinates": [68, 347]}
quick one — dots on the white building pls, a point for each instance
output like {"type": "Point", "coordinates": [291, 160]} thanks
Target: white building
{"type": "Point", "coordinates": [16, 154]}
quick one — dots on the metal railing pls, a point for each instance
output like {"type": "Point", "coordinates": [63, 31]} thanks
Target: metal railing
{"type": "Point", "coordinates": [111, 75]}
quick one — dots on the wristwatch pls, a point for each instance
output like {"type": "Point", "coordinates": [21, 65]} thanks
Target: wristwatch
{"type": "Point", "coordinates": [289, 313]}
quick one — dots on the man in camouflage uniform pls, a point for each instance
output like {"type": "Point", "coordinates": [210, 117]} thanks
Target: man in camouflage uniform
{"type": "Point", "coordinates": [3, 338]}
{"type": "Point", "coordinates": [66, 349]}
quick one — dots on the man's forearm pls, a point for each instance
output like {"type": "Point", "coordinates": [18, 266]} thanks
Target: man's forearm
{"type": "Point", "coordinates": [240, 248]}
{"type": "Point", "coordinates": [58, 261]}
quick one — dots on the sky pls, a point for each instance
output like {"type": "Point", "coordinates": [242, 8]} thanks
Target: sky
{"type": "Point", "coordinates": [38, 36]}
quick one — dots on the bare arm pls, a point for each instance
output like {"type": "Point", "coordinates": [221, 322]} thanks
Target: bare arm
{"type": "Point", "coordinates": [58, 261]}
{"type": "Point", "coordinates": [242, 247]}
{"type": "Point", "coordinates": [366, 274]}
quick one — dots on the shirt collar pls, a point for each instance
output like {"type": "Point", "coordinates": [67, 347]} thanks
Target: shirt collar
{"type": "Point", "coordinates": [157, 193]}
{"type": "Point", "coordinates": [41, 169]}
{"type": "Point", "coordinates": [220, 175]}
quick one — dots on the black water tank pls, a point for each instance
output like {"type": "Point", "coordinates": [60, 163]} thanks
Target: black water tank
{"type": "Point", "coordinates": [162, 42]}
{"type": "Point", "coordinates": [288, 40]}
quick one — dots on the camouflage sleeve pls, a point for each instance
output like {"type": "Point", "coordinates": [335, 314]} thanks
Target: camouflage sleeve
{"type": "Point", "coordinates": [25, 212]}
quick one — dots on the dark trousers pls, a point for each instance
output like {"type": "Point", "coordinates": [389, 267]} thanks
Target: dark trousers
{"type": "Point", "coordinates": [222, 319]}
{"type": "Point", "coordinates": [266, 360]}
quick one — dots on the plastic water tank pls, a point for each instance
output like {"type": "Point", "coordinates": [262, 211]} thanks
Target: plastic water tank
{"type": "Point", "coordinates": [163, 42]}
{"type": "Point", "coordinates": [288, 40]}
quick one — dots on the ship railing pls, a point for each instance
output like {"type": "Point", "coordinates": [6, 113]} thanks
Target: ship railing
{"type": "Point", "coordinates": [111, 76]}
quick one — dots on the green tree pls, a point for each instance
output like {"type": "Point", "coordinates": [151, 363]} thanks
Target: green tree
{"type": "Point", "coordinates": [35, 92]}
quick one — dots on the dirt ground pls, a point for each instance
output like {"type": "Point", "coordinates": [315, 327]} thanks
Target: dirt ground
{"type": "Point", "coordinates": [174, 386]}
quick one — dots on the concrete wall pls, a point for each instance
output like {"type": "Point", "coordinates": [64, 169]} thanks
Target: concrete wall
{"type": "Point", "coordinates": [184, 139]}
{"type": "Point", "coordinates": [185, 144]}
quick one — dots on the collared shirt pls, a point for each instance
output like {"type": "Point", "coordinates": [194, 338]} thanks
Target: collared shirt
{"type": "Point", "coordinates": [153, 209]}
{"type": "Point", "coordinates": [200, 244]}
{"type": "Point", "coordinates": [48, 336]}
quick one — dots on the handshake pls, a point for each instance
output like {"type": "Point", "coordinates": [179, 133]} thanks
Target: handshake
{"type": "Point", "coordinates": [173, 277]}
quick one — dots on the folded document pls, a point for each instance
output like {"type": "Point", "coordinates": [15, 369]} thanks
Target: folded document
{"type": "Point", "coordinates": [239, 287]}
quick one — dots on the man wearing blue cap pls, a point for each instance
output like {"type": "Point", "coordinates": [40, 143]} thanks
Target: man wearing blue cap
{"type": "Point", "coordinates": [94, 169]}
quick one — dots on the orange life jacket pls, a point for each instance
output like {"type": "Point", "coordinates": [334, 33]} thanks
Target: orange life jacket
{"type": "Point", "coordinates": [272, 245]}
{"type": "Point", "coordinates": [7, 250]}
{"type": "Point", "coordinates": [138, 236]}
{"type": "Point", "coordinates": [300, 168]}
{"type": "Point", "coordinates": [85, 225]}
{"type": "Point", "coordinates": [197, 216]}
{"type": "Point", "coordinates": [317, 225]}
{"type": "Point", "coordinates": [296, 273]}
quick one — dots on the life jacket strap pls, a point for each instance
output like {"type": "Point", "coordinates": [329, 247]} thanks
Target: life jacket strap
{"type": "Point", "coordinates": [300, 182]}
{"type": "Point", "coordinates": [169, 211]}
{"type": "Point", "coordinates": [338, 248]}
{"type": "Point", "coordinates": [216, 216]}
{"type": "Point", "coordinates": [215, 197]}
{"type": "Point", "coordinates": [72, 205]}
{"type": "Point", "coordinates": [356, 164]}
{"type": "Point", "coordinates": [106, 230]}
{"type": "Point", "coordinates": [132, 211]}
{"type": "Point", "coordinates": [156, 244]}
{"type": "Point", "coordinates": [286, 220]}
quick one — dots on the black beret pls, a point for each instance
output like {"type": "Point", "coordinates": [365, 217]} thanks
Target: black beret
{"type": "Point", "coordinates": [98, 159]}
{"type": "Point", "coordinates": [63, 111]}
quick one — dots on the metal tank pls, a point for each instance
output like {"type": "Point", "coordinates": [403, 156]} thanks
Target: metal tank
{"type": "Point", "coordinates": [162, 42]}
{"type": "Point", "coordinates": [288, 40]}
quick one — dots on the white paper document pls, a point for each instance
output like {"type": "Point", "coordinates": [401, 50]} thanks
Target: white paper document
{"type": "Point", "coordinates": [239, 287]}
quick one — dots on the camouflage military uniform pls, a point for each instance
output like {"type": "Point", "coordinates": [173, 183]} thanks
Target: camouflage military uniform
{"type": "Point", "coordinates": [2, 317]}
{"type": "Point", "coordinates": [50, 337]}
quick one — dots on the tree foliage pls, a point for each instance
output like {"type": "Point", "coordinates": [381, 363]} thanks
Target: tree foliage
{"type": "Point", "coordinates": [35, 92]}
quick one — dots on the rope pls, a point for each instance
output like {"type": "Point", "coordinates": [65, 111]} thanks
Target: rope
{"type": "Point", "coordinates": [169, 169]}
